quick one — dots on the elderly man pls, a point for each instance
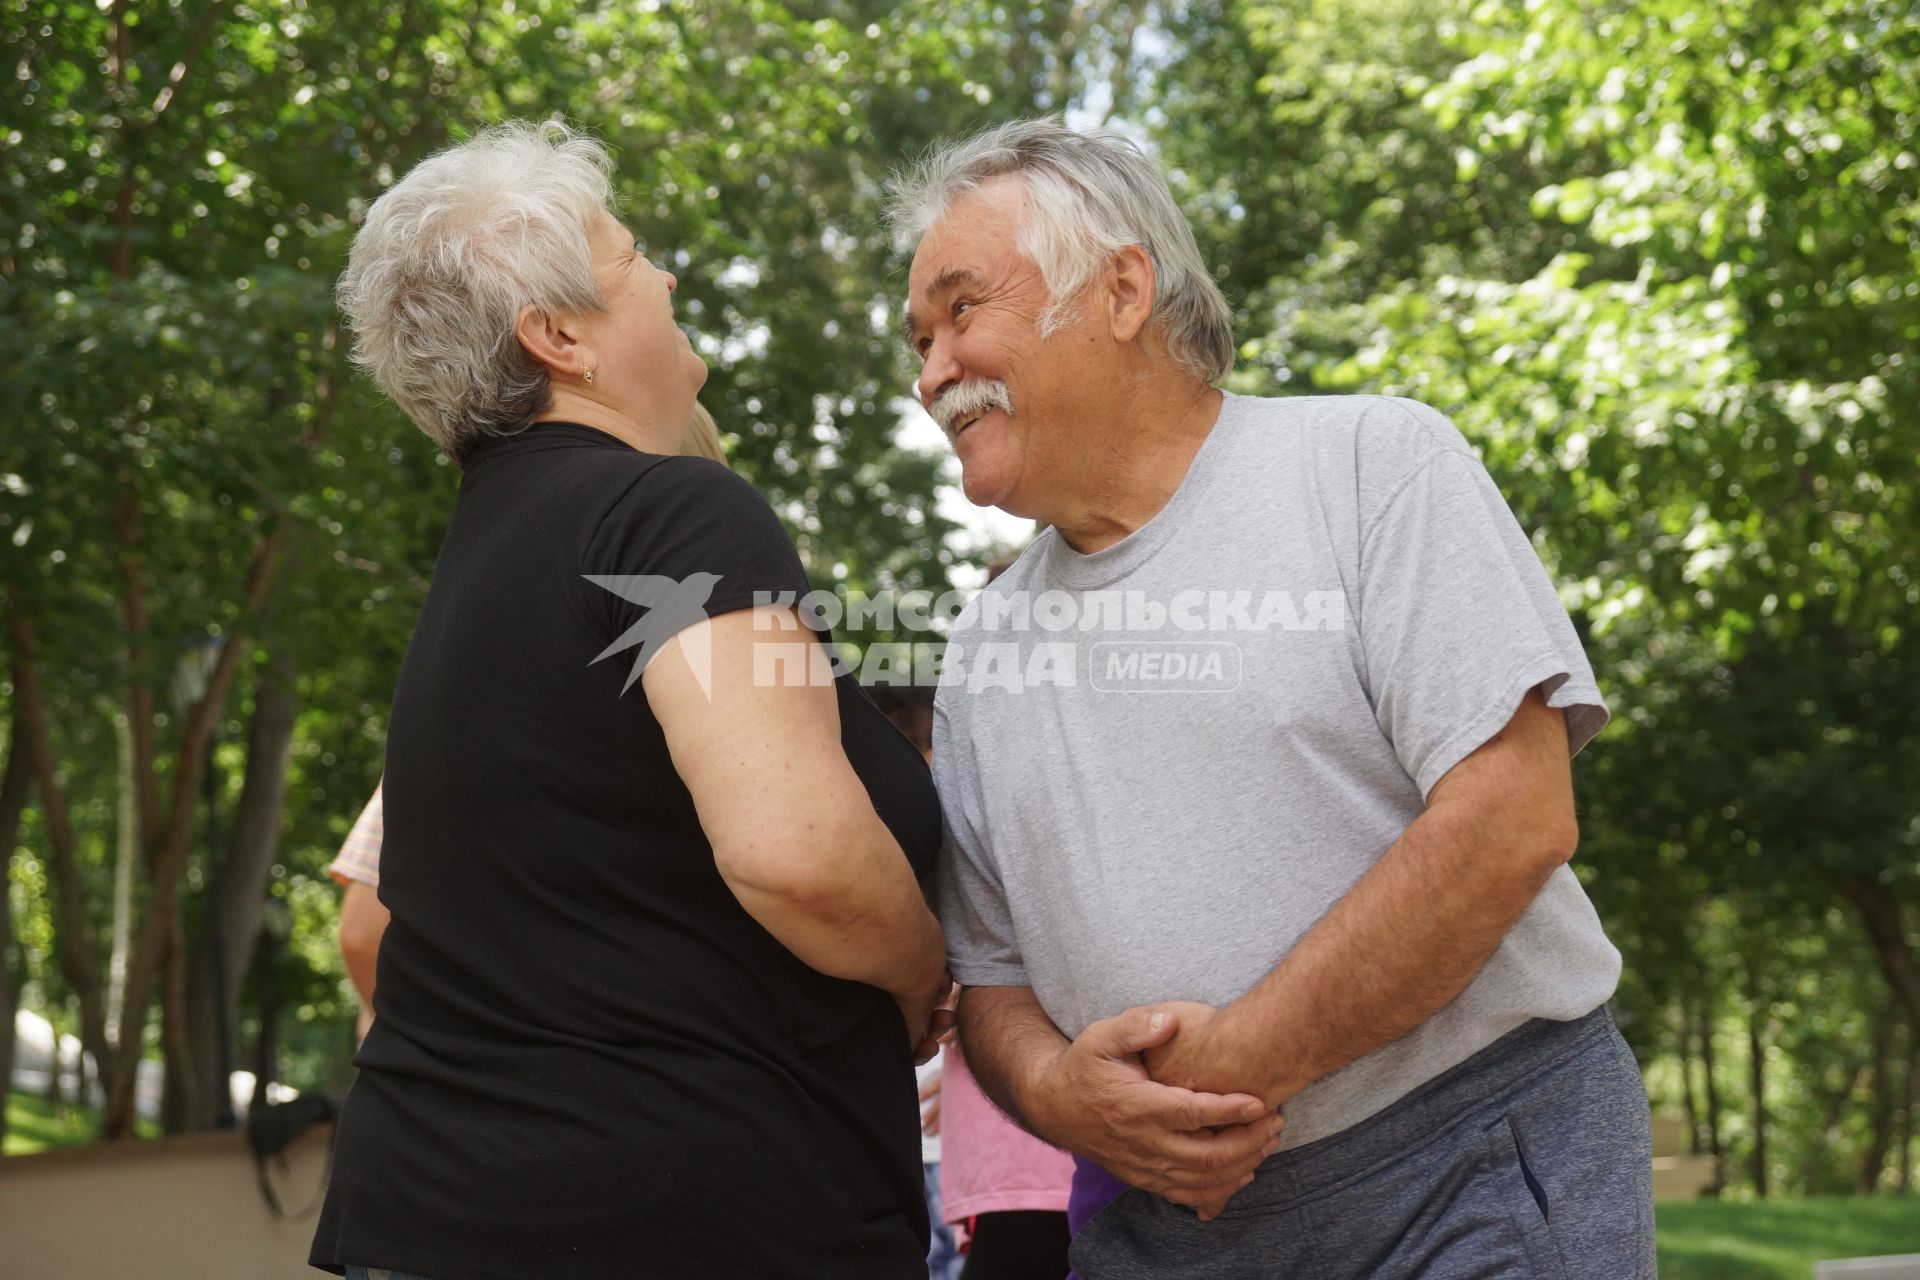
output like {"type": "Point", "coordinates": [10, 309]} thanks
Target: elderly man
{"type": "Point", "coordinates": [1255, 767]}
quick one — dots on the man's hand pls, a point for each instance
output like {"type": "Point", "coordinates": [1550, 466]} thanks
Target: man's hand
{"type": "Point", "coordinates": [1202, 1056]}
{"type": "Point", "coordinates": [1190, 1147]}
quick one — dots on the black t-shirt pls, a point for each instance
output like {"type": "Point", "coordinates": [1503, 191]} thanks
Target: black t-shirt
{"type": "Point", "coordinates": [588, 1059]}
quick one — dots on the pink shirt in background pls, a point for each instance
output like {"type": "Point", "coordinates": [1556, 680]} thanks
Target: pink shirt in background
{"type": "Point", "coordinates": [989, 1164]}
{"type": "Point", "coordinates": [359, 857]}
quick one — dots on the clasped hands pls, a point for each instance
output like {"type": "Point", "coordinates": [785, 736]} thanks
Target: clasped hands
{"type": "Point", "coordinates": [1155, 1096]}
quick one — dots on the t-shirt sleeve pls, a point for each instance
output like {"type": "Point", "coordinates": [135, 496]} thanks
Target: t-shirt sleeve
{"type": "Point", "coordinates": [359, 857]}
{"type": "Point", "coordinates": [689, 540]}
{"type": "Point", "coordinates": [1459, 620]}
{"type": "Point", "coordinates": [982, 950]}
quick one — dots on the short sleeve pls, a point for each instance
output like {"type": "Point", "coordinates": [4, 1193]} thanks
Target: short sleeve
{"type": "Point", "coordinates": [688, 540]}
{"type": "Point", "coordinates": [1459, 620]}
{"type": "Point", "coordinates": [359, 856]}
{"type": "Point", "coordinates": [982, 950]}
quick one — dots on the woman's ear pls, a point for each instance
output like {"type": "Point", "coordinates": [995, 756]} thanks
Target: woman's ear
{"type": "Point", "coordinates": [1130, 285]}
{"type": "Point", "coordinates": [552, 340]}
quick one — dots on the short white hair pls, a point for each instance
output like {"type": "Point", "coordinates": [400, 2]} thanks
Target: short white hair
{"type": "Point", "coordinates": [450, 254]}
{"type": "Point", "coordinates": [1089, 195]}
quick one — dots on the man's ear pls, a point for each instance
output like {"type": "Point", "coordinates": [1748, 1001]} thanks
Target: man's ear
{"type": "Point", "coordinates": [553, 340]}
{"type": "Point", "coordinates": [1130, 286]}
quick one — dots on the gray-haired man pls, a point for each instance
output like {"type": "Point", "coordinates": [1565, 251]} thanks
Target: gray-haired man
{"type": "Point", "coordinates": [1256, 772]}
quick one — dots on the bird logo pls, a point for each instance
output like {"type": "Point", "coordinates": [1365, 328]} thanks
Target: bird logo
{"type": "Point", "coordinates": [672, 605]}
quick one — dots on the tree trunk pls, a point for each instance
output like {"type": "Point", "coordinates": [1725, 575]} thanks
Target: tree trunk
{"type": "Point", "coordinates": [1757, 1081]}
{"type": "Point", "coordinates": [1904, 1182]}
{"type": "Point", "coordinates": [1880, 914]}
{"type": "Point", "coordinates": [76, 945]}
{"type": "Point", "coordinates": [55, 1094]}
{"type": "Point", "coordinates": [1694, 1143]}
{"type": "Point", "coordinates": [1709, 1077]}
{"type": "Point", "coordinates": [248, 858]}
{"type": "Point", "coordinates": [1881, 1105]}
{"type": "Point", "coordinates": [176, 1041]}
{"type": "Point", "coordinates": [129, 839]}
{"type": "Point", "coordinates": [126, 534]}
{"type": "Point", "coordinates": [13, 803]}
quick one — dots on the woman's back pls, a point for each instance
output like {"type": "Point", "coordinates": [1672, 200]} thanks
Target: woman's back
{"type": "Point", "coordinates": [588, 1059]}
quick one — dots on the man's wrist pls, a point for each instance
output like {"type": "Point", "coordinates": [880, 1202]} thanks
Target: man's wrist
{"type": "Point", "coordinates": [1251, 1044]}
{"type": "Point", "coordinates": [1032, 1089]}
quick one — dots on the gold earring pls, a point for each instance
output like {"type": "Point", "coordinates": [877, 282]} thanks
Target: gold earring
{"type": "Point", "coordinates": [589, 377]}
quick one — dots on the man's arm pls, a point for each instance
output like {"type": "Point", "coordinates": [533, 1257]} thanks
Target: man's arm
{"type": "Point", "coordinates": [1091, 1096]}
{"type": "Point", "coordinates": [1410, 935]}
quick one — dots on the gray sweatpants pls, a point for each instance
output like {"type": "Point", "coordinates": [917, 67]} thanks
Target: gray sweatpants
{"type": "Point", "coordinates": [1530, 1159]}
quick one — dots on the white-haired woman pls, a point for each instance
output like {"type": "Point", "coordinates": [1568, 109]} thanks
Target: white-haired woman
{"type": "Point", "coordinates": [658, 961]}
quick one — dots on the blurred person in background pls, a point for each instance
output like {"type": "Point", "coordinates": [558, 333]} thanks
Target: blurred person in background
{"type": "Point", "coordinates": [910, 708]}
{"type": "Point", "coordinates": [997, 1195]}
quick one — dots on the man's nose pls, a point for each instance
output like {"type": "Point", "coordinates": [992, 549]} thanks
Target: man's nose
{"type": "Point", "coordinates": [939, 372]}
{"type": "Point", "coordinates": [673, 281]}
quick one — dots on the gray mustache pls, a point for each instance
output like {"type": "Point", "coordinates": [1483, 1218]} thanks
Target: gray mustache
{"type": "Point", "coordinates": [969, 399]}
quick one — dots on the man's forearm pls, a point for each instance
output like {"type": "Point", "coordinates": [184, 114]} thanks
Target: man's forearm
{"type": "Point", "coordinates": [1413, 932]}
{"type": "Point", "coordinates": [1404, 942]}
{"type": "Point", "coordinates": [1008, 1041]}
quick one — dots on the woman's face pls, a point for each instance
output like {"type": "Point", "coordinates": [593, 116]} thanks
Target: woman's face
{"type": "Point", "coordinates": [644, 365]}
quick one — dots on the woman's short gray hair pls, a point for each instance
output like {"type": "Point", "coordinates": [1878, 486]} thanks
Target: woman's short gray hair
{"type": "Point", "coordinates": [1090, 195]}
{"type": "Point", "coordinates": [450, 254]}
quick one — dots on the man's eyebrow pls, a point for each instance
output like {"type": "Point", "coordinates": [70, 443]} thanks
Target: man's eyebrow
{"type": "Point", "coordinates": [949, 278]}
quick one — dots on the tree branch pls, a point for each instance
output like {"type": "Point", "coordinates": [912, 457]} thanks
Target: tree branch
{"type": "Point", "coordinates": [126, 533]}
{"type": "Point", "coordinates": [1880, 913]}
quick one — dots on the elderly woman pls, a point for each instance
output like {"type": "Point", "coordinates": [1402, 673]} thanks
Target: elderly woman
{"type": "Point", "coordinates": [658, 962]}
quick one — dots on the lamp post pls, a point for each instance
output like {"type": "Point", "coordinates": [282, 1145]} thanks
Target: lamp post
{"type": "Point", "coordinates": [190, 678]}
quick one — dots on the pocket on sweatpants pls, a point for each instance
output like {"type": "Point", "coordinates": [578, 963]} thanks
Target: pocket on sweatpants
{"type": "Point", "coordinates": [1520, 1193]}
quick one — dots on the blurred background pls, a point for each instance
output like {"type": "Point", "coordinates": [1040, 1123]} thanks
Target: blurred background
{"type": "Point", "coordinates": [1659, 260]}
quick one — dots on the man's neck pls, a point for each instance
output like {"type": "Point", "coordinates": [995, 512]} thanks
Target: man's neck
{"type": "Point", "coordinates": [1136, 465]}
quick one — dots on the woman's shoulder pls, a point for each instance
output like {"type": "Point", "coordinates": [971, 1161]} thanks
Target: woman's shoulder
{"type": "Point", "coordinates": [686, 514]}
{"type": "Point", "coordinates": [689, 493]}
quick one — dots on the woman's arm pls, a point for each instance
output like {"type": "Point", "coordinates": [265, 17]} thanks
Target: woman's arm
{"type": "Point", "coordinates": [753, 726]}
{"type": "Point", "coordinates": [363, 920]}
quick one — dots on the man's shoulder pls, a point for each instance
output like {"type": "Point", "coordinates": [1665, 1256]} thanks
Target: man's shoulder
{"type": "Point", "coordinates": [1365, 446]}
{"type": "Point", "coordinates": [1379, 427]}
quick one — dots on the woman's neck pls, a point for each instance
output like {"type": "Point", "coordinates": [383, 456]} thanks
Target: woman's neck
{"type": "Point", "coordinates": [644, 433]}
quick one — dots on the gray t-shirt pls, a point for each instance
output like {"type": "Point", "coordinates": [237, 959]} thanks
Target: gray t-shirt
{"type": "Point", "coordinates": [1162, 763]}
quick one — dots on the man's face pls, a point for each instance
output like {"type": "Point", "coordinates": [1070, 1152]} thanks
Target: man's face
{"type": "Point", "coordinates": [973, 306]}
